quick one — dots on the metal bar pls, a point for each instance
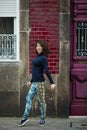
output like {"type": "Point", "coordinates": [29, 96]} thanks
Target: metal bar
{"type": "Point", "coordinates": [79, 39]}
{"type": "Point", "coordinates": [86, 39]}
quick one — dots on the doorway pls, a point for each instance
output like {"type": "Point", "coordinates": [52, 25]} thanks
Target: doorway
{"type": "Point", "coordinates": [78, 58]}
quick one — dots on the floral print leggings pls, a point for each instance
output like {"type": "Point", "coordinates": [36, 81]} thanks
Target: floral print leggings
{"type": "Point", "coordinates": [36, 89]}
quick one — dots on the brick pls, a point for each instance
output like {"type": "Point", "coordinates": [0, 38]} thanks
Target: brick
{"type": "Point", "coordinates": [42, 29]}
{"type": "Point", "coordinates": [53, 56]}
{"type": "Point", "coordinates": [54, 72]}
{"type": "Point", "coordinates": [42, 37]}
{"type": "Point", "coordinates": [34, 29]}
{"type": "Point", "coordinates": [45, 33]}
{"type": "Point", "coordinates": [53, 64]}
{"type": "Point", "coordinates": [55, 60]}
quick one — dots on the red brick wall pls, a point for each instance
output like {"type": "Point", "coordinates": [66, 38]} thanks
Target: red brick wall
{"type": "Point", "coordinates": [44, 21]}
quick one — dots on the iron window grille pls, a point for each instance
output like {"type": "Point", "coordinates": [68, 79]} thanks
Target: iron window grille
{"type": "Point", "coordinates": [7, 46]}
{"type": "Point", "coordinates": [81, 39]}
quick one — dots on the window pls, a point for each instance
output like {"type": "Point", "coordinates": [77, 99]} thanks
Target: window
{"type": "Point", "coordinates": [9, 30]}
{"type": "Point", "coordinates": [81, 41]}
{"type": "Point", "coordinates": [6, 25]}
{"type": "Point", "coordinates": [7, 38]}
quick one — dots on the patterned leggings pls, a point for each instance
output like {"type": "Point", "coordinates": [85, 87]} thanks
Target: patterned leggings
{"type": "Point", "coordinates": [36, 89]}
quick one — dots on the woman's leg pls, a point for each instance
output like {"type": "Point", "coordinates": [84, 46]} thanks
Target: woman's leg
{"type": "Point", "coordinates": [41, 98]}
{"type": "Point", "coordinates": [31, 93]}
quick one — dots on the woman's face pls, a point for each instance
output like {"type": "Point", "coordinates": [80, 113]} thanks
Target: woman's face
{"type": "Point", "coordinates": [39, 48]}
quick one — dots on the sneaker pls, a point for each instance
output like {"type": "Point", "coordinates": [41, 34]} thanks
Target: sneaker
{"type": "Point", "coordinates": [23, 121]}
{"type": "Point", "coordinates": [42, 122]}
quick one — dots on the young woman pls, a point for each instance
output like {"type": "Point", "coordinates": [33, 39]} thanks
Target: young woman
{"type": "Point", "coordinates": [37, 85]}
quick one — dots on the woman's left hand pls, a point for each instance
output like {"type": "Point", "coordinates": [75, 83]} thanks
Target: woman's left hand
{"type": "Point", "coordinates": [53, 86]}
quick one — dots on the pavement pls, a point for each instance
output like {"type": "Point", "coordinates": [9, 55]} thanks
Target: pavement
{"type": "Point", "coordinates": [10, 123]}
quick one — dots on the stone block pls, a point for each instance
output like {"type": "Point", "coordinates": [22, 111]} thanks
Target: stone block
{"type": "Point", "coordinates": [9, 103]}
{"type": "Point", "coordinates": [64, 6]}
{"type": "Point", "coordinates": [24, 20]}
{"type": "Point", "coordinates": [24, 4]}
{"type": "Point", "coordinates": [9, 76]}
{"type": "Point", "coordinates": [64, 27]}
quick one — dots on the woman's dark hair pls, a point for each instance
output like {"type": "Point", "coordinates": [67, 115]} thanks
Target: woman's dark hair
{"type": "Point", "coordinates": [45, 47]}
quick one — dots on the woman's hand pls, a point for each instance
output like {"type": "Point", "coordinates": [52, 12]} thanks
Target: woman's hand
{"type": "Point", "coordinates": [28, 84]}
{"type": "Point", "coordinates": [53, 86]}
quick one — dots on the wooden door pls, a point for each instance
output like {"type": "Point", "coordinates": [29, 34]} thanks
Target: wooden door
{"type": "Point", "coordinates": [78, 58]}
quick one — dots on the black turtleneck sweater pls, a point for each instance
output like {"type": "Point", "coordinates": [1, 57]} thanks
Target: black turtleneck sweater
{"type": "Point", "coordinates": [39, 64]}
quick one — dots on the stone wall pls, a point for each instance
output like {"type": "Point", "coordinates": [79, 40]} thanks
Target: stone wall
{"type": "Point", "coordinates": [24, 51]}
{"type": "Point", "coordinates": [9, 88]}
{"type": "Point", "coordinates": [63, 80]}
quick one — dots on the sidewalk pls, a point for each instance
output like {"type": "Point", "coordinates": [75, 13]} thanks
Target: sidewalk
{"type": "Point", "coordinates": [10, 123]}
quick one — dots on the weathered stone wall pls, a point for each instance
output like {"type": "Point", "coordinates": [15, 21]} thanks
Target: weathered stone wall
{"type": "Point", "coordinates": [13, 75]}
{"type": "Point", "coordinates": [24, 51]}
{"type": "Point", "coordinates": [63, 80]}
{"type": "Point", "coordinates": [9, 88]}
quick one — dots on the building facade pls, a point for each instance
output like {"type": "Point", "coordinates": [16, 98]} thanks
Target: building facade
{"type": "Point", "coordinates": [63, 24]}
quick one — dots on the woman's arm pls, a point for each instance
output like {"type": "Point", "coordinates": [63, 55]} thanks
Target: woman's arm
{"type": "Point", "coordinates": [45, 65]}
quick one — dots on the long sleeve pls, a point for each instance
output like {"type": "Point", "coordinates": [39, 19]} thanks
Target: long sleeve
{"type": "Point", "coordinates": [31, 80]}
{"type": "Point", "coordinates": [45, 65]}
